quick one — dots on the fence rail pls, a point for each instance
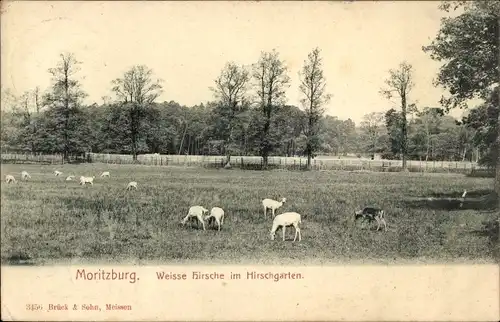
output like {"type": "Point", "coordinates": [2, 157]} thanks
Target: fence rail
{"type": "Point", "coordinates": [41, 158]}
{"type": "Point", "coordinates": [250, 162]}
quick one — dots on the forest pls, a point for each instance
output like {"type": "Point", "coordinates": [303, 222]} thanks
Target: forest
{"type": "Point", "coordinates": [249, 114]}
{"type": "Point", "coordinates": [36, 123]}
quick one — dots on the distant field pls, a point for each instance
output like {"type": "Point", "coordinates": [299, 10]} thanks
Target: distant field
{"type": "Point", "coordinates": [48, 220]}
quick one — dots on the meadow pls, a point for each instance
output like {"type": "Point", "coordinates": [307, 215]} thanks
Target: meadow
{"type": "Point", "coordinates": [48, 220]}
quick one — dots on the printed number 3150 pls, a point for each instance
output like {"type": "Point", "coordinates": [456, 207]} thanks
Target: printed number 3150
{"type": "Point", "coordinates": [33, 307]}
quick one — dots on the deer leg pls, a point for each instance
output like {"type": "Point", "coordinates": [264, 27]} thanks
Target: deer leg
{"type": "Point", "coordinates": [202, 222]}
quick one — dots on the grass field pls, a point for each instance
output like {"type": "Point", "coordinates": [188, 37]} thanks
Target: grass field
{"type": "Point", "coordinates": [48, 220]}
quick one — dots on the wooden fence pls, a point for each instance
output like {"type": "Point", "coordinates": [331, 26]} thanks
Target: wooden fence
{"type": "Point", "coordinates": [251, 162]}
{"type": "Point", "coordinates": [56, 158]}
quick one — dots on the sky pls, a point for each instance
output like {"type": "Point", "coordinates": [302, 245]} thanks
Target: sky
{"type": "Point", "coordinates": [188, 43]}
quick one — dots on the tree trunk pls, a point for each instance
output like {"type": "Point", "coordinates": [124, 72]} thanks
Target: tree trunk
{"type": "Point", "coordinates": [428, 146]}
{"type": "Point", "coordinates": [404, 132]}
{"type": "Point", "coordinates": [497, 175]}
{"type": "Point", "coordinates": [228, 154]}
{"type": "Point", "coordinates": [264, 161]}
{"type": "Point", "coordinates": [134, 149]}
{"type": "Point", "coordinates": [265, 145]}
{"type": "Point", "coordinates": [182, 140]}
{"type": "Point", "coordinates": [228, 142]}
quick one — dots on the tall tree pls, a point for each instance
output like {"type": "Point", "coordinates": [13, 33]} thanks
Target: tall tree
{"type": "Point", "coordinates": [10, 120]}
{"type": "Point", "coordinates": [483, 121]}
{"type": "Point", "coordinates": [28, 112]}
{"type": "Point", "coordinates": [230, 90]}
{"type": "Point", "coordinates": [400, 84]}
{"type": "Point", "coordinates": [270, 75]}
{"type": "Point", "coordinates": [136, 91]}
{"type": "Point", "coordinates": [64, 101]}
{"type": "Point", "coordinates": [468, 44]}
{"type": "Point", "coordinates": [372, 127]}
{"type": "Point", "coordinates": [290, 124]}
{"type": "Point", "coordinates": [430, 119]}
{"type": "Point", "coordinates": [313, 89]}
{"type": "Point", "coordinates": [393, 122]}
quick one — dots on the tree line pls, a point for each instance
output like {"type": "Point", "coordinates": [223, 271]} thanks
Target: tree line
{"type": "Point", "coordinates": [135, 123]}
{"type": "Point", "coordinates": [249, 114]}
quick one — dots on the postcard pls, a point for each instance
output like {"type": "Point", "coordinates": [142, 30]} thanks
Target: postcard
{"type": "Point", "coordinates": [250, 161]}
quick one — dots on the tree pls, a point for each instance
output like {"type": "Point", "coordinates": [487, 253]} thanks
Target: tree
{"type": "Point", "coordinates": [29, 112]}
{"type": "Point", "coordinates": [468, 44]}
{"type": "Point", "coordinates": [270, 74]}
{"type": "Point", "coordinates": [400, 84]}
{"type": "Point", "coordinates": [64, 102]}
{"type": "Point", "coordinates": [289, 123]}
{"type": "Point", "coordinates": [430, 119]}
{"type": "Point", "coordinates": [393, 120]}
{"type": "Point", "coordinates": [313, 88]}
{"type": "Point", "coordinates": [372, 128]}
{"type": "Point", "coordinates": [483, 121]}
{"type": "Point", "coordinates": [136, 91]}
{"type": "Point", "coordinates": [230, 91]}
{"type": "Point", "coordinates": [10, 123]}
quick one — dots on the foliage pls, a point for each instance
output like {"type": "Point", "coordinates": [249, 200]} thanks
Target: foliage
{"type": "Point", "coordinates": [270, 82]}
{"type": "Point", "coordinates": [136, 91]}
{"type": "Point", "coordinates": [230, 90]}
{"type": "Point", "coordinates": [135, 121]}
{"type": "Point", "coordinates": [483, 121]}
{"type": "Point", "coordinates": [469, 47]}
{"type": "Point", "coordinates": [372, 134]}
{"type": "Point", "coordinates": [314, 97]}
{"type": "Point", "coordinates": [63, 126]}
{"type": "Point", "coordinates": [399, 84]}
